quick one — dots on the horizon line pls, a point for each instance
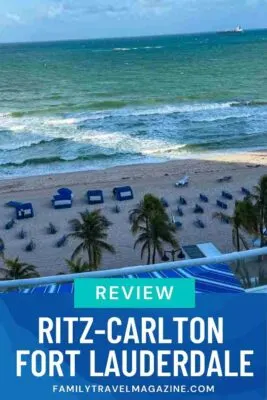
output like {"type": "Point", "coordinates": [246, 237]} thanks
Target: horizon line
{"type": "Point", "coordinates": [123, 37]}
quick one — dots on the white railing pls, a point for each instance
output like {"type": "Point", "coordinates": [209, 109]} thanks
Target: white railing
{"type": "Point", "coordinates": [259, 290]}
{"type": "Point", "coordinates": [108, 273]}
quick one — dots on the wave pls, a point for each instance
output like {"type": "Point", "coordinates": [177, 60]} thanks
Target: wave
{"type": "Point", "coordinates": [32, 144]}
{"type": "Point", "coordinates": [251, 103]}
{"type": "Point", "coordinates": [216, 118]}
{"type": "Point", "coordinates": [133, 107]}
{"type": "Point", "coordinates": [136, 48]}
{"type": "Point", "coordinates": [109, 104]}
{"type": "Point", "coordinates": [57, 159]}
{"type": "Point", "coordinates": [186, 108]}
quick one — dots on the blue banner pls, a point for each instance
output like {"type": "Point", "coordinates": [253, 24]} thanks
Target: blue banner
{"type": "Point", "coordinates": [50, 350]}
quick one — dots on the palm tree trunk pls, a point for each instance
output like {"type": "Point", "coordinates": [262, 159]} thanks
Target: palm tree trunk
{"type": "Point", "coordinates": [90, 255]}
{"type": "Point", "coordinates": [154, 255]}
{"type": "Point", "coordinates": [149, 255]}
{"type": "Point", "coordinates": [261, 228]}
{"type": "Point", "coordinates": [238, 239]}
{"type": "Point", "coordinates": [149, 248]}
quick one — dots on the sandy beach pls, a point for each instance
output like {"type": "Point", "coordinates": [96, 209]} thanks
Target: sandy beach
{"type": "Point", "coordinates": [159, 179]}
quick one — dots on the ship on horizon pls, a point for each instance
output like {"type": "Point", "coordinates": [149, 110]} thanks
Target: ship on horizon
{"type": "Point", "coordinates": [237, 29]}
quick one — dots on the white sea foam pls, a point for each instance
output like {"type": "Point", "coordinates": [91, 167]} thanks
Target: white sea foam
{"type": "Point", "coordinates": [190, 108]}
{"type": "Point", "coordinates": [136, 48]}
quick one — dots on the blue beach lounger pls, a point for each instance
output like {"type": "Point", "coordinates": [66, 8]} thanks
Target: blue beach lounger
{"type": "Point", "coordinates": [203, 198]}
{"type": "Point", "coordinates": [227, 195]}
{"type": "Point", "coordinates": [224, 179]}
{"type": "Point", "coordinates": [2, 246]}
{"type": "Point", "coordinates": [164, 202]}
{"type": "Point", "coordinates": [95, 197]}
{"type": "Point", "coordinates": [222, 205]}
{"type": "Point", "coordinates": [123, 193]}
{"type": "Point", "coordinates": [10, 224]}
{"type": "Point", "coordinates": [62, 241]}
{"type": "Point", "coordinates": [245, 191]}
{"type": "Point", "coordinates": [198, 209]}
{"type": "Point", "coordinates": [180, 212]}
{"type": "Point", "coordinates": [182, 201]}
{"type": "Point", "coordinates": [199, 224]}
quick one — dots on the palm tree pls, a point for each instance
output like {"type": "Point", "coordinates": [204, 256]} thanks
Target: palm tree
{"type": "Point", "coordinates": [248, 281]}
{"type": "Point", "coordinates": [243, 220]}
{"type": "Point", "coordinates": [162, 232]}
{"type": "Point", "coordinates": [259, 198]}
{"type": "Point", "coordinates": [145, 208]}
{"type": "Point", "coordinates": [92, 230]}
{"type": "Point", "coordinates": [78, 266]}
{"type": "Point", "coordinates": [153, 224]}
{"type": "Point", "coordinates": [15, 269]}
{"type": "Point", "coordinates": [140, 217]}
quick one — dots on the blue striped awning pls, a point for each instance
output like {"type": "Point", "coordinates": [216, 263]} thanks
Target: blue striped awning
{"type": "Point", "coordinates": [212, 278]}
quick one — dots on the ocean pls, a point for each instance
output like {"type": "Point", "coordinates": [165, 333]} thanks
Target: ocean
{"type": "Point", "coordinates": [79, 105]}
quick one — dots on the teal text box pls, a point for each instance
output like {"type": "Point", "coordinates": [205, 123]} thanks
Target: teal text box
{"type": "Point", "coordinates": [134, 293]}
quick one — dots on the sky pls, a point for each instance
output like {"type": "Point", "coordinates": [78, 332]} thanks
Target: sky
{"type": "Point", "coordinates": [45, 20]}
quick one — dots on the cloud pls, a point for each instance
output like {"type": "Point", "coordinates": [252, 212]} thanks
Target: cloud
{"type": "Point", "coordinates": [75, 8]}
{"type": "Point", "coordinates": [55, 10]}
{"type": "Point", "coordinates": [14, 18]}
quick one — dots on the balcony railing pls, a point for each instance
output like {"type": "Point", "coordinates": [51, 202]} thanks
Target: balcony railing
{"type": "Point", "coordinates": [235, 257]}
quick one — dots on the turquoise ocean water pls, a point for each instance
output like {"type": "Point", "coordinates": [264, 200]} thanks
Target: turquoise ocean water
{"type": "Point", "coordinates": [81, 105]}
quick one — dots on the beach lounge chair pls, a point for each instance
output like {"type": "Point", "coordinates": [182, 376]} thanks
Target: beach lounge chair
{"type": "Point", "coordinates": [227, 195]}
{"type": "Point", "coordinates": [164, 202]}
{"type": "Point", "coordinates": [183, 182]}
{"type": "Point", "coordinates": [62, 241]}
{"type": "Point", "coordinates": [24, 211]}
{"type": "Point", "coordinates": [221, 205]}
{"type": "Point", "coordinates": [199, 224]}
{"type": "Point", "coordinates": [182, 201]}
{"type": "Point", "coordinates": [198, 209]}
{"type": "Point", "coordinates": [225, 219]}
{"type": "Point", "coordinates": [123, 193]}
{"type": "Point", "coordinates": [180, 212]}
{"type": "Point", "coordinates": [22, 234]}
{"type": "Point", "coordinates": [225, 179]}
{"type": "Point", "coordinates": [176, 222]}
{"type": "Point", "coordinates": [203, 198]}
{"type": "Point", "coordinates": [30, 246]}
{"type": "Point", "coordinates": [51, 229]}
{"type": "Point", "coordinates": [245, 191]}
{"type": "Point", "coordinates": [95, 197]}
{"type": "Point", "coordinates": [10, 224]}
{"type": "Point", "coordinates": [2, 246]}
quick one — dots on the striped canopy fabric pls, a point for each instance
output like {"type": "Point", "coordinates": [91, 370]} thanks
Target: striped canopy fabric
{"type": "Point", "coordinates": [211, 278]}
